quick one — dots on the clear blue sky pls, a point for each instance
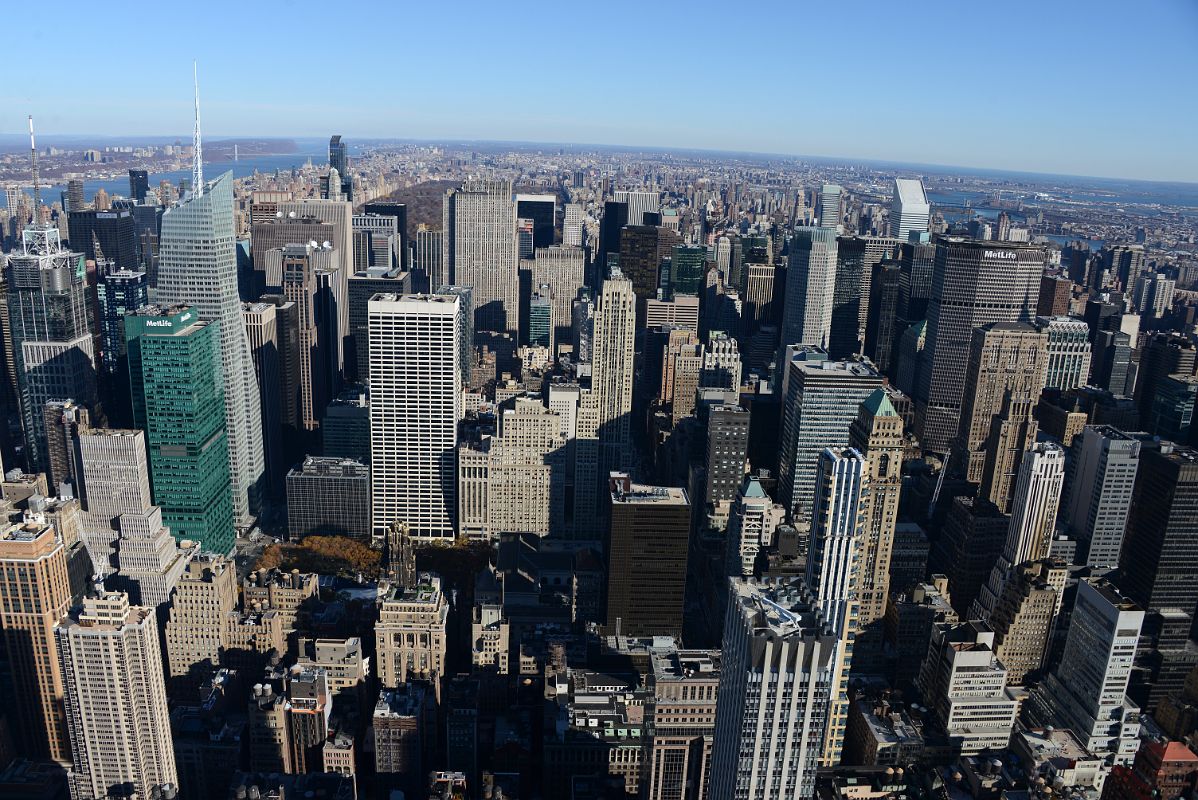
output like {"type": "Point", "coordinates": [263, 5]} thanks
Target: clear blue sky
{"type": "Point", "coordinates": [1069, 86]}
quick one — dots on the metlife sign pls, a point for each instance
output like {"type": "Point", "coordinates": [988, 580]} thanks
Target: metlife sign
{"type": "Point", "coordinates": [1004, 255]}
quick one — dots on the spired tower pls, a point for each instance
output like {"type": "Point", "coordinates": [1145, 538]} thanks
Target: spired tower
{"type": "Point", "coordinates": [199, 267]}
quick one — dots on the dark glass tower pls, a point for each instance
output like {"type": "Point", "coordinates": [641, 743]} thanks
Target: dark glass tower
{"type": "Point", "coordinates": [106, 235]}
{"type": "Point", "coordinates": [139, 184]}
{"type": "Point", "coordinates": [1161, 546]}
{"type": "Point", "coordinates": [179, 400]}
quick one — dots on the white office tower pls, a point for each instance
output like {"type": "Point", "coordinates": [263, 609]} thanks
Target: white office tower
{"type": "Point", "coordinates": [820, 401]}
{"type": "Point", "coordinates": [751, 526]}
{"type": "Point", "coordinates": [115, 696]}
{"type": "Point", "coordinates": [1152, 294]}
{"type": "Point", "coordinates": [827, 207]}
{"type": "Point", "coordinates": [836, 536]}
{"type": "Point", "coordinates": [480, 250]}
{"type": "Point", "coordinates": [638, 204]}
{"type": "Point", "coordinates": [833, 559]}
{"type": "Point", "coordinates": [122, 529]}
{"type": "Point", "coordinates": [1087, 692]}
{"type": "Point", "coordinates": [198, 266]}
{"type": "Point", "coordinates": [778, 661]}
{"type": "Point", "coordinates": [909, 210]}
{"type": "Point", "coordinates": [116, 481]}
{"type": "Point", "coordinates": [964, 685]}
{"type": "Point", "coordinates": [1068, 352]}
{"type": "Point", "coordinates": [810, 287]}
{"type": "Point", "coordinates": [612, 368]}
{"type": "Point", "coordinates": [1033, 520]}
{"type": "Point", "coordinates": [415, 404]}
{"type": "Point", "coordinates": [149, 560]}
{"type": "Point", "coordinates": [572, 226]}
{"type": "Point", "coordinates": [1102, 476]}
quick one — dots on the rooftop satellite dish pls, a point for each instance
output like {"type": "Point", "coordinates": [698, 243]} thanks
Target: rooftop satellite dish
{"type": "Point", "coordinates": [327, 245]}
{"type": "Point", "coordinates": [278, 215]}
{"type": "Point", "coordinates": [291, 215]}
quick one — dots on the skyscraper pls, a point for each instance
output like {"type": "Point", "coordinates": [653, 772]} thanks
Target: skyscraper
{"type": "Point", "coordinates": [777, 671]}
{"type": "Point", "coordinates": [1102, 477]}
{"type": "Point", "coordinates": [339, 160]}
{"type": "Point", "coordinates": [1003, 380]}
{"type": "Point", "coordinates": [883, 325]}
{"type": "Point", "coordinates": [139, 184]}
{"type": "Point", "coordinates": [479, 250]}
{"type": "Point", "coordinates": [751, 525]}
{"type": "Point", "coordinates": [973, 284]}
{"type": "Point", "coordinates": [1161, 546]}
{"type": "Point", "coordinates": [572, 226]}
{"type": "Point", "coordinates": [36, 596]}
{"type": "Point", "coordinates": [1087, 692]}
{"type": "Point", "coordinates": [639, 204]}
{"type": "Point", "coordinates": [180, 401]}
{"type": "Point", "coordinates": [53, 349]}
{"type": "Point", "coordinates": [1068, 350]}
{"type": "Point", "coordinates": [106, 236]}
{"type": "Point", "coordinates": [205, 598]}
{"type": "Point", "coordinates": [415, 403]}
{"type": "Point", "coordinates": [339, 214]}
{"type": "Point", "coordinates": [615, 217]}
{"type": "Point", "coordinates": [820, 402]}
{"type": "Point", "coordinates": [650, 530]}
{"type": "Point", "coordinates": [643, 248]}
{"type": "Point", "coordinates": [119, 293]}
{"type": "Point", "coordinates": [1162, 355]}
{"type": "Point", "coordinates": [262, 322]}
{"type": "Point", "coordinates": [833, 572]}
{"type": "Point", "coordinates": [612, 363]}
{"type": "Point", "coordinates": [1033, 520]}
{"type": "Point", "coordinates": [564, 270]}
{"type": "Point", "coordinates": [199, 267]}
{"type": "Point", "coordinates": [909, 209]}
{"type": "Point", "coordinates": [876, 433]}
{"type": "Point", "coordinates": [856, 258]}
{"type": "Point", "coordinates": [827, 207]}
{"type": "Point", "coordinates": [810, 288]}
{"type": "Point", "coordinates": [726, 453]}
{"type": "Point", "coordinates": [542, 210]}
{"type": "Point", "coordinates": [965, 686]}
{"type": "Point", "coordinates": [309, 281]}
{"type": "Point", "coordinates": [115, 699]}
{"type": "Point", "coordinates": [115, 472]}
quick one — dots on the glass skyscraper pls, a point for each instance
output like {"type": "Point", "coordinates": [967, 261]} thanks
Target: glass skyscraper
{"type": "Point", "coordinates": [198, 267]}
{"type": "Point", "coordinates": [52, 346]}
{"type": "Point", "coordinates": [179, 400]}
{"type": "Point", "coordinates": [119, 294]}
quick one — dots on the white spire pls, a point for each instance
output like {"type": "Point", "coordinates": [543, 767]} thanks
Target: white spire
{"type": "Point", "coordinates": [37, 188]}
{"type": "Point", "coordinates": [197, 166]}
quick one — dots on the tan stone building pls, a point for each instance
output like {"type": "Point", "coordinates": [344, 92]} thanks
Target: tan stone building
{"type": "Point", "coordinates": [35, 595]}
{"type": "Point", "coordinates": [410, 638]}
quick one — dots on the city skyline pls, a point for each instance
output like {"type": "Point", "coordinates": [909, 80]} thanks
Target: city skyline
{"type": "Point", "coordinates": [620, 103]}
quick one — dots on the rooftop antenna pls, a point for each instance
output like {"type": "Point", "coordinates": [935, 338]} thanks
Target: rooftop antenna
{"type": "Point", "coordinates": [197, 166]}
{"type": "Point", "coordinates": [37, 187]}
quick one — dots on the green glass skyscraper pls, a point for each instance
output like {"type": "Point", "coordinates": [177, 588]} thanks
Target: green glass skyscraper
{"type": "Point", "coordinates": [179, 400]}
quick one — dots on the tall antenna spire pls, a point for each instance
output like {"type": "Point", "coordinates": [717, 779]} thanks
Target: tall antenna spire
{"type": "Point", "coordinates": [197, 166]}
{"type": "Point", "coordinates": [37, 187]}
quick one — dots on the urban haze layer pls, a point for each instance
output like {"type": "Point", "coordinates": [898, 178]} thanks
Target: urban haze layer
{"type": "Point", "coordinates": [504, 471]}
